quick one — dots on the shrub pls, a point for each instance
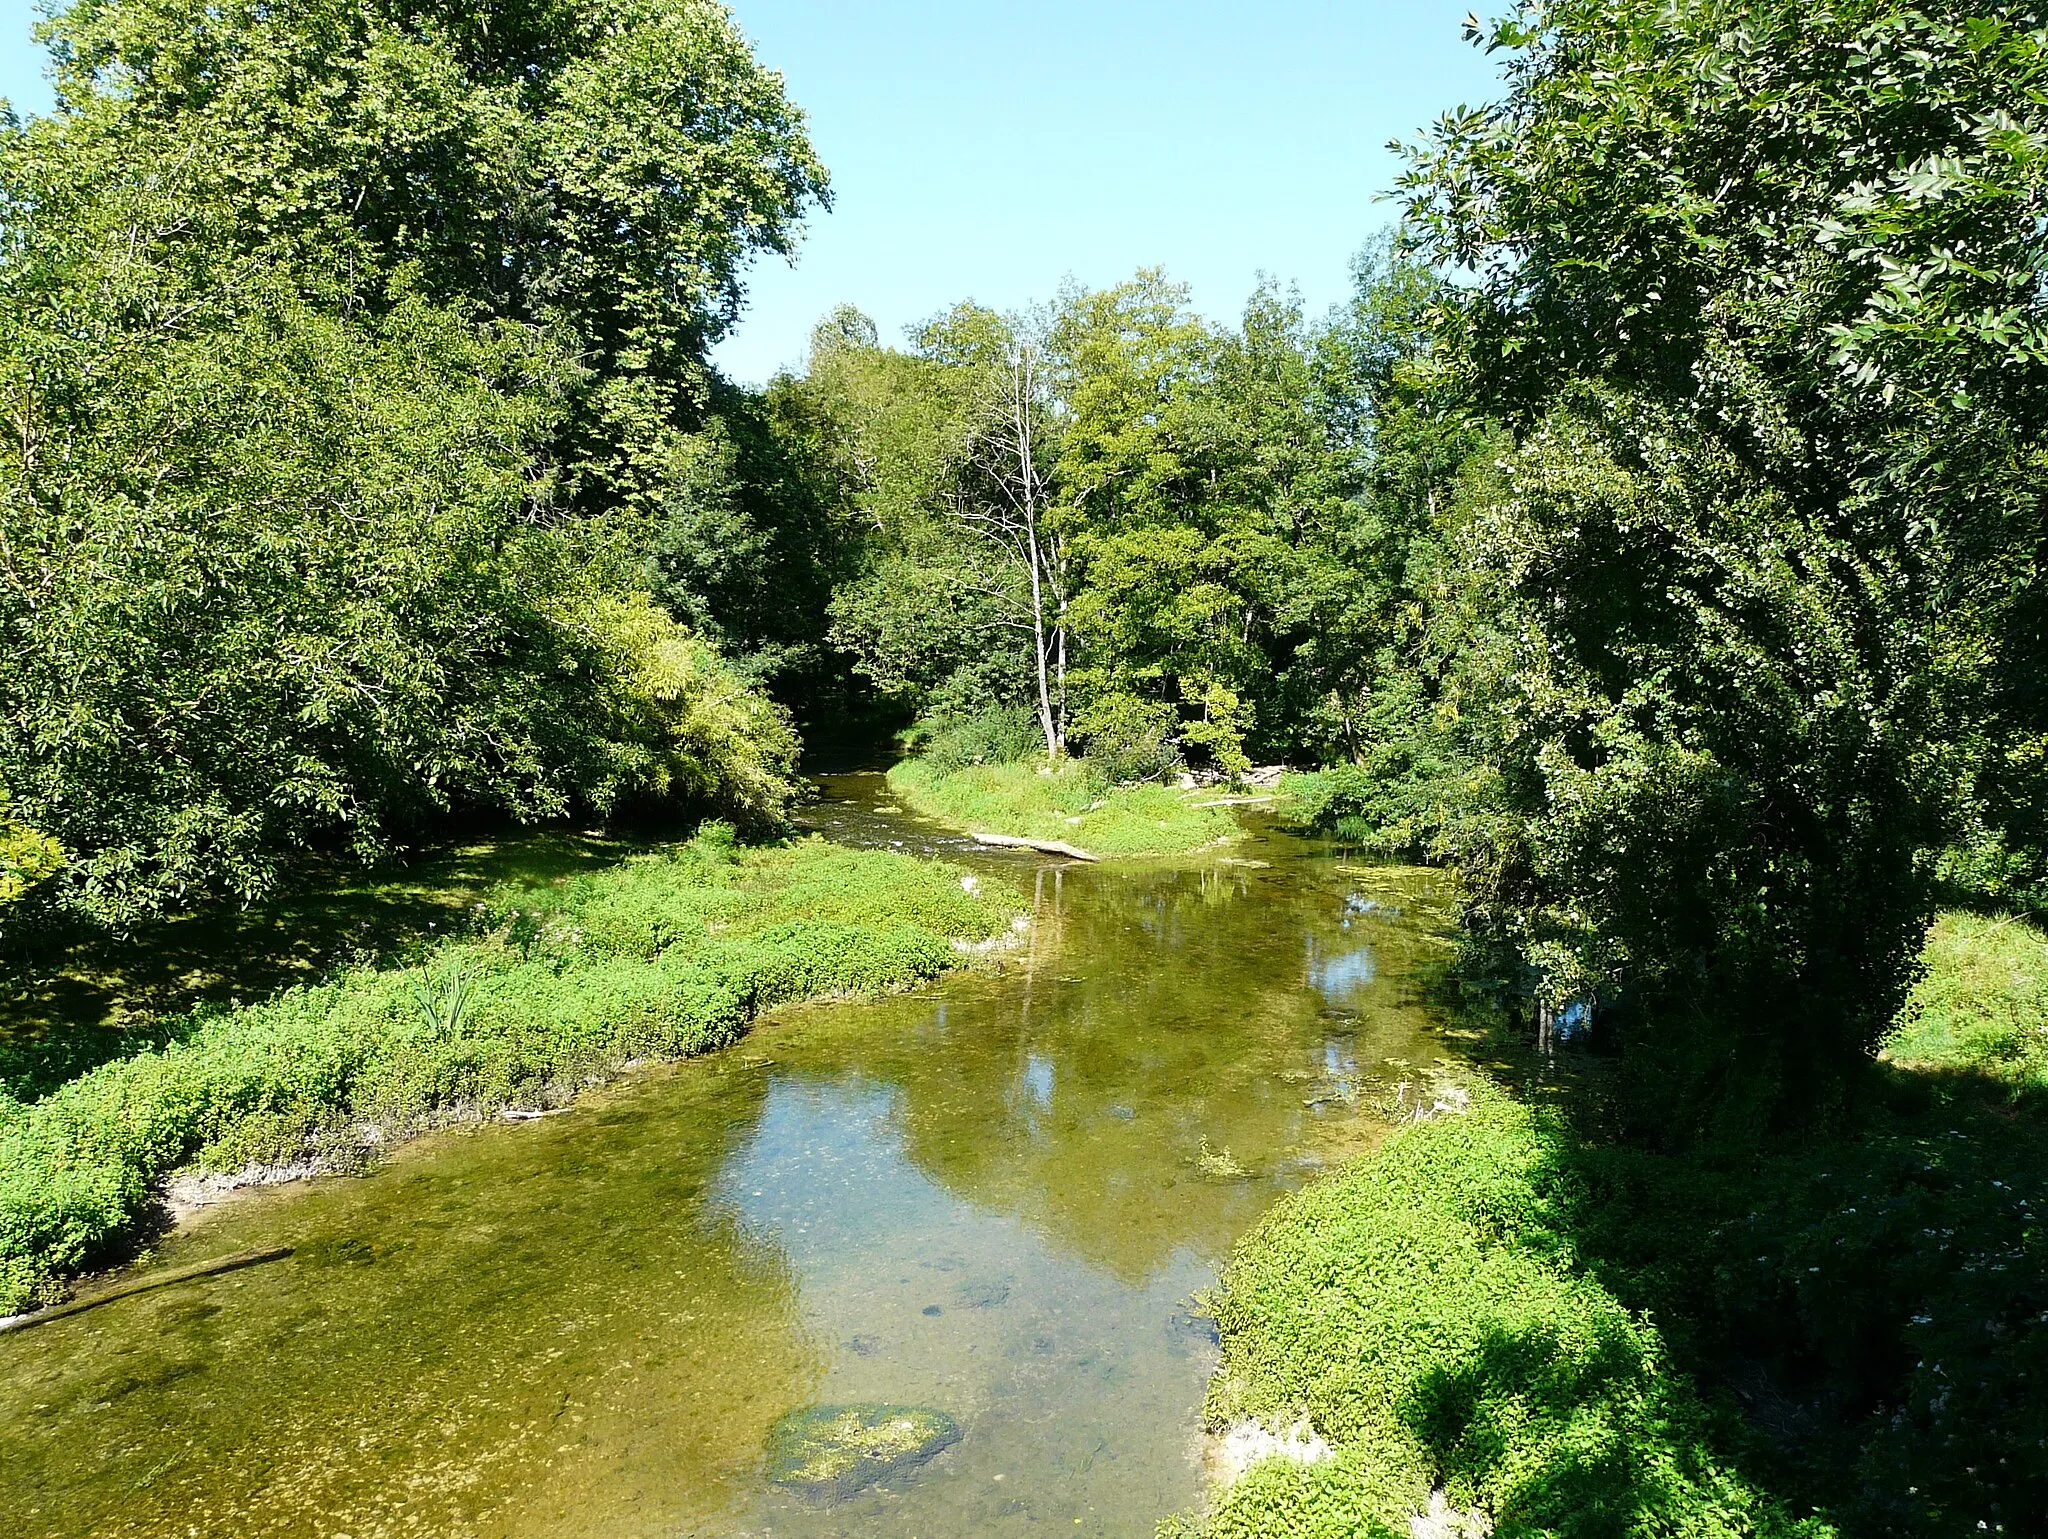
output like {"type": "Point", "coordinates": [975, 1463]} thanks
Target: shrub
{"type": "Point", "coordinates": [1982, 1004]}
{"type": "Point", "coordinates": [997, 734]}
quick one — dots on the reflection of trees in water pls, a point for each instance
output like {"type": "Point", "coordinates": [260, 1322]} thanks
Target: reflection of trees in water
{"type": "Point", "coordinates": [535, 1331]}
{"type": "Point", "coordinates": [1156, 1013]}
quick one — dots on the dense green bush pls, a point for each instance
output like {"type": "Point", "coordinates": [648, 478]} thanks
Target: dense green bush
{"type": "Point", "coordinates": [995, 734]}
{"type": "Point", "coordinates": [1981, 1007]}
{"type": "Point", "coordinates": [1758, 617]}
{"type": "Point", "coordinates": [1427, 1311]}
{"type": "Point", "coordinates": [666, 956]}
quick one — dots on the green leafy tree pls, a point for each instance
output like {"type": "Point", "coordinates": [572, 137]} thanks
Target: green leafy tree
{"type": "Point", "coordinates": [602, 171]}
{"type": "Point", "coordinates": [297, 545]}
{"type": "Point", "coordinates": [1143, 528]}
{"type": "Point", "coordinates": [941, 614]}
{"type": "Point", "coordinates": [750, 538]}
{"type": "Point", "coordinates": [1758, 293]}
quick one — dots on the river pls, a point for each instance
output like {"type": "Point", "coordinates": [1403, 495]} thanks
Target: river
{"type": "Point", "coordinates": [1002, 1197]}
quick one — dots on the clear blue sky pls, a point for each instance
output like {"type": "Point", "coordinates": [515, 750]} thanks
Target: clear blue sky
{"type": "Point", "coordinates": [987, 151]}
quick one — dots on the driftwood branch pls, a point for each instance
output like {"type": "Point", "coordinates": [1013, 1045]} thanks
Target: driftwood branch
{"type": "Point", "coordinates": [1048, 846]}
{"type": "Point", "coordinates": [232, 1263]}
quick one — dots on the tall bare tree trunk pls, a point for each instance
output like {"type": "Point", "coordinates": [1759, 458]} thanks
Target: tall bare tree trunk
{"type": "Point", "coordinates": [1015, 523]}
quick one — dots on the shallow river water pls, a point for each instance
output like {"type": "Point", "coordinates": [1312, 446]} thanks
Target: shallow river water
{"type": "Point", "coordinates": [1000, 1197]}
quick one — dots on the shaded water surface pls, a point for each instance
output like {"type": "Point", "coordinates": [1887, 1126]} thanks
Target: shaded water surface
{"type": "Point", "coordinates": [998, 1197]}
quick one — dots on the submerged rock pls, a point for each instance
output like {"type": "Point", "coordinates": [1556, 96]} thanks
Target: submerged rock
{"type": "Point", "coordinates": [833, 1451]}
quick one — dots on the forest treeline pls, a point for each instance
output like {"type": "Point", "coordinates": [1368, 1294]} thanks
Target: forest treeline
{"type": "Point", "coordinates": [1653, 536]}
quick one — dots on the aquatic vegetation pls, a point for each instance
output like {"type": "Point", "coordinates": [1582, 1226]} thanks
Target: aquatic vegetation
{"type": "Point", "coordinates": [665, 956]}
{"type": "Point", "coordinates": [833, 1451]}
{"type": "Point", "coordinates": [1038, 800]}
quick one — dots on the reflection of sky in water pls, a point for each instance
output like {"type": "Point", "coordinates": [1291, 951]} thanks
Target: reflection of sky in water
{"type": "Point", "coordinates": [1339, 977]}
{"type": "Point", "coordinates": [911, 1294]}
{"type": "Point", "coordinates": [1038, 1080]}
{"type": "Point", "coordinates": [825, 1173]}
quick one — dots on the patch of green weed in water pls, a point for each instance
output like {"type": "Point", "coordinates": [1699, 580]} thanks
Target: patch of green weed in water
{"type": "Point", "coordinates": [832, 1451]}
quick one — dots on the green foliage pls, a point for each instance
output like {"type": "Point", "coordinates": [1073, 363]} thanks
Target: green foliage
{"type": "Point", "coordinates": [690, 729]}
{"type": "Point", "coordinates": [668, 955]}
{"type": "Point", "coordinates": [601, 172]}
{"type": "Point", "coordinates": [1221, 569]}
{"type": "Point", "coordinates": [996, 735]}
{"type": "Point", "coordinates": [27, 856]}
{"type": "Point", "coordinates": [1875, 1301]}
{"type": "Point", "coordinates": [1426, 1310]}
{"type": "Point", "coordinates": [350, 350]}
{"type": "Point", "coordinates": [1399, 794]}
{"type": "Point", "coordinates": [1038, 799]}
{"type": "Point", "coordinates": [1981, 1006]}
{"type": "Point", "coordinates": [1750, 621]}
{"type": "Point", "coordinates": [1712, 772]}
{"type": "Point", "coordinates": [441, 1001]}
{"type": "Point", "coordinates": [749, 539]}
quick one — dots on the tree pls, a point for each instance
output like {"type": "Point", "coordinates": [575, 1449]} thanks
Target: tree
{"type": "Point", "coordinates": [294, 540]}
{"type": "Point", "coordinates": [943, 450]}
{"type": "Point", "coordinates": [1006, 500]}
{"type": "Point", "coordinates": [1756, 296]}
{"type": "Point", "coordinates": [599, 171]}
{"type": "Point", "coordinates": [1146, 528]}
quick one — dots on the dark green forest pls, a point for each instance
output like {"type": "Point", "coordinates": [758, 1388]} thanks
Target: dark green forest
{"type": "Point", "coordinates": [1654, 539]}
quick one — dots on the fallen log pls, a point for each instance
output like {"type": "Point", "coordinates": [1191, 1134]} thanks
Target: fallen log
{"type": "Point", "coordinates": [232, 1263]}
{"type": "Point", "coordinates": [1045, 846]}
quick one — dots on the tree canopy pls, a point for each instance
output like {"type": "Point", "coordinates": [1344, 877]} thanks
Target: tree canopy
{"type": "Point", "coordinates": [349, 354]}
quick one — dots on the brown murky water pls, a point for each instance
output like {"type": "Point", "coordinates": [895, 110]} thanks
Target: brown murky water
{"type": "Point", "coordinates": [1000, 1197]}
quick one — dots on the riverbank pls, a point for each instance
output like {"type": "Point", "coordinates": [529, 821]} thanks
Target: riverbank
{"type": "Point", "coordinates": [1042, 801]}
{"type": "Point", "coordinates": [993, 1195]}
{"type": "Point", "coordinates": [556, 987]}
{"type": "Point", "coordinates": [1501, 1312]}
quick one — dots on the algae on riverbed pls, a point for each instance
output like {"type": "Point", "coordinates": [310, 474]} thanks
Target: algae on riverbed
{"type": "Point", "coordinates": [833, 1451]}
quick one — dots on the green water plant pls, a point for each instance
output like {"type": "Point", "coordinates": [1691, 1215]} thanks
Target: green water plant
{"type": "Point", "coordinates": [667, 955]}
{"type": "Point", "coordinates": [832, 1451]}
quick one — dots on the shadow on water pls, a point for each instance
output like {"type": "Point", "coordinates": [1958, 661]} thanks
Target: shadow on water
{"type": "Point", "coordinates": [996, 1198]}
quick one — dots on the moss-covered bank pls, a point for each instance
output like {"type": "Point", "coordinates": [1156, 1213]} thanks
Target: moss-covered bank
{"type": "Point", "coordinates": [665, 956]}
{"type": "Point", "coordinates": [1426, 1311]}
{"type": "Point", "coordinates": [1575, 1336]}
{"type": "Point", "coordinates": [1041, 800]}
